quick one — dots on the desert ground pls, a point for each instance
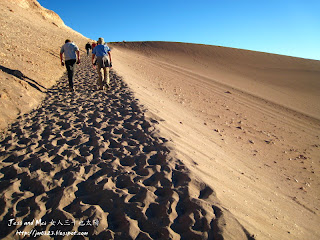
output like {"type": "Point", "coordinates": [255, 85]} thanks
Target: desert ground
{"type": "Point", "coordinates": [191, 141]}
{"type": "Point", "coordinates": [259, 153]}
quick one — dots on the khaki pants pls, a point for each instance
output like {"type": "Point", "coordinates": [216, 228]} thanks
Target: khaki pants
{"type": "Point", "coordinates": [104, 76]}
{"type": "Point", "coordinates": [103, 71]}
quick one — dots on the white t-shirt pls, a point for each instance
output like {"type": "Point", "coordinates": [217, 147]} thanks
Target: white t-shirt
{"type": "Point", "coordinates": [69, 49]}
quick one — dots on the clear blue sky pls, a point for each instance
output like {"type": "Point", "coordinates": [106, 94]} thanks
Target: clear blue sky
{"type": "Point", "coordinates": [288, 27]}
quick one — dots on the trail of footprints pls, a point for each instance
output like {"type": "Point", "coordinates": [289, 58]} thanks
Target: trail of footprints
{"type": "Point", "coordinates": [92, 155]}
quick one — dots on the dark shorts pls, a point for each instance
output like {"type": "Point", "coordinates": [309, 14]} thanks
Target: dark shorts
{"type": "Point", "coordinates": [103, 62]}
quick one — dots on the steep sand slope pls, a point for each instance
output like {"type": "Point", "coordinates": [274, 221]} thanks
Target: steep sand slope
{"type": "Point", "coordinates": [247, 123]}
{"type": "Point", "coordinates": [30, 41]}
{"type": "Point", "coordinates": [288, 81]}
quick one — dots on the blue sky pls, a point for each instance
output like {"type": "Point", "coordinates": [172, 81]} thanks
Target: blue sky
{"type": "Point", "coordinates": [288, 27]}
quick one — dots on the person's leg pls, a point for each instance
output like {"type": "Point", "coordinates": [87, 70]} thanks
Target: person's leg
{"type": "Point", "coordinates": [71, 65]}
{"type": "Point", "coordinates": [107, 77]}
{"type": "Point", "coordinates": [99, 83]}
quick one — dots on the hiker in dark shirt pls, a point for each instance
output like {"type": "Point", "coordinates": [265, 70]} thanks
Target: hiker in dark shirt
{"type": "Point", "coordinates": [88, 47]}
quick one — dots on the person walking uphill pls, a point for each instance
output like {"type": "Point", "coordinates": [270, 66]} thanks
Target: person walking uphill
{"type": "Point", "coordinates": [88, 47]}
{"type": "Point", "coordinates": [102, 52]}
{"type": "Point", "coordinates": [71, 56]}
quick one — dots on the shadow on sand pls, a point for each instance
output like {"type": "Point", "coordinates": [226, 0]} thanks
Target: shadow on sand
{"type": "Point", "coordinates": [23, 77]}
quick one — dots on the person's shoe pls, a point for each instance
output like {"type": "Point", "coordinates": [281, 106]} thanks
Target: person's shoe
{"type": "Point", "coordinates": [71, 89]}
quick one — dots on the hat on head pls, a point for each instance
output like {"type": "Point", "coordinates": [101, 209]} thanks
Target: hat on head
{"type": "Point", "coordinates": [100, 41]}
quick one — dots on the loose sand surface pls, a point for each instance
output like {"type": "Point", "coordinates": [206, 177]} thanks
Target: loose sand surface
{"type": "Point", "coordinates": [191, 142]}
{"type": "Point", "coordinates": [246, 122]}
{"type": "Point", "coordinates": [93, 156]}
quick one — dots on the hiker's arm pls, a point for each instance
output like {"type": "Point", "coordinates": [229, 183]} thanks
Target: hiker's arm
{"type": "Point", "coordinates": [93, 55]}
{"type": "Point", "coordinates": [109, 53]}
{"type": "Point", "coordinates": [61, 59]}
{"type": "Point", "coordinates": [78, 56]}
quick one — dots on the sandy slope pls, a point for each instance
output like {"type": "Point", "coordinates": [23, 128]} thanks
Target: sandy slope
{"type": "Point", "coordinates": [30, 41]}
{"type": "Point", "coordinates": [246, 122]}
{"type": "Point", "coordinates": [93, 155]}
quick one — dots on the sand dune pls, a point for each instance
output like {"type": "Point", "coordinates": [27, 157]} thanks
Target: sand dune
{"type": "Point", "coordinates": [228, 114]}
{"type": "Point", "coordinates": [192, 142]}
{"type": "Point", "coordinates": [93, 155]}
{"type": "Point", "coordinates": [288, 81]}
{"type": "Point", "coordinates": [30, 40]}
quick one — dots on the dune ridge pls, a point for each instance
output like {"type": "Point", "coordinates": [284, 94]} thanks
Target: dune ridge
{"type": "Point", "coordinates": [289, 80]}
{"type": "Point", "coordinates": [45, 13]}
